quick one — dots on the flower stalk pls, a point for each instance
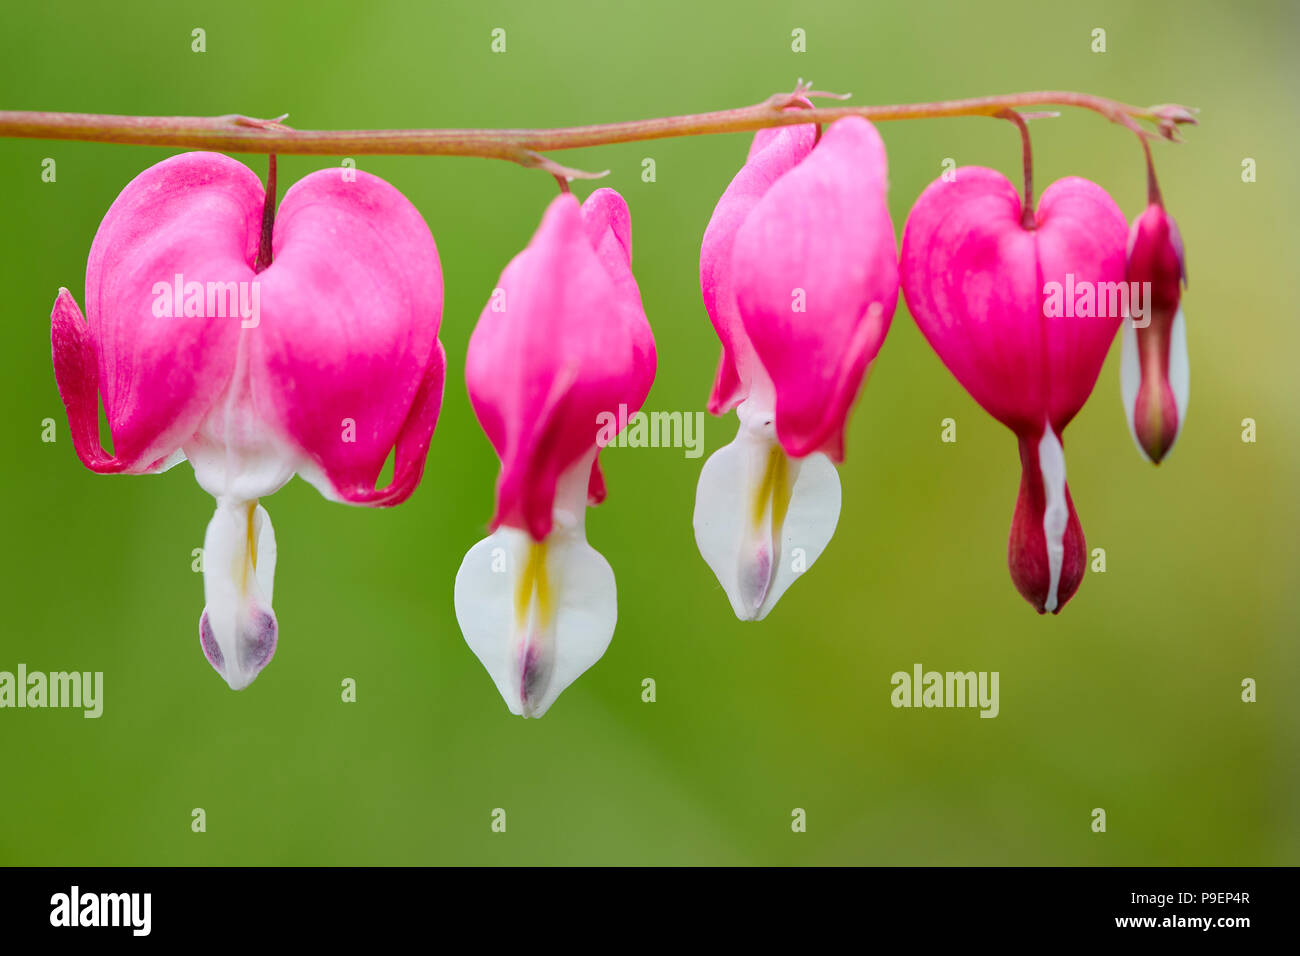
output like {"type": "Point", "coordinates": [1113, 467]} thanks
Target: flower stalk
{"type": "Point", "coordinates": [242, 134]}
{"type": "Point", "coordinates": [1027, 159]}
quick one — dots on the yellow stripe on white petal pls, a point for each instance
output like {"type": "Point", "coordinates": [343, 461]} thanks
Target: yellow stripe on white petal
{"type": "Point", "coordinates": [237, 459]}
{"type": "Point", "coordinates": [238, 630]}
{"type": "Point", "coordinates": [537, 614]}
{"type": "Point", "coordinates": [761, 517]}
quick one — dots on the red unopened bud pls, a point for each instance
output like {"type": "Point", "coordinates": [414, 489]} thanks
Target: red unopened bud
{"type": "Point", "coordinates": [1154, 368]}
{"type": "Point", "coordinates": [1046, 551]}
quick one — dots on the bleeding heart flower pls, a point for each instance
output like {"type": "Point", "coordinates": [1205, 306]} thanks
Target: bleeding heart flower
{"type": "Point", "coordinates": [1153, 365]}
{"type": "Point", "coordinates": [800, 277]}
{"type": "Point", "coordinates": [316, 353]}
{"type": "Point", "coordinates": [561, 344]}
{"type": "Point", "coordinates": [1022, 316]}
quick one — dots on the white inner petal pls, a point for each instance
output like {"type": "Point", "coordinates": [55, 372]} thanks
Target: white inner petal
{"type": "Point", "coordinates": [238, 459]}
{"type": "Point", "coordinates": [1130, 375]}
{"type": "Point", "coordinates": [170, 462]}
{"type": "Point", "coordinates": [1056, 514]}
{"type": "Point", "coordinates": [239, 555]}
{"type": "Point", "coordinates": [762, 518]}
{"type": "Point", "coordinates": [537, 614]}
{"type": "Point", "coordinates": [1130, 380]}
{"type": "Point", "coordinates": [234, 453]}
{"type": "Point", "coordinates": [1179, 370]}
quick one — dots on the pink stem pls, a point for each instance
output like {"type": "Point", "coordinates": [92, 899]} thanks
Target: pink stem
{"type": "Point", "coordinates": [233, 133]}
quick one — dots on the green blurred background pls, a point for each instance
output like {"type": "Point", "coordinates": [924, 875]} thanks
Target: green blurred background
{"type": "Point", "coordinates": [1129, 700]}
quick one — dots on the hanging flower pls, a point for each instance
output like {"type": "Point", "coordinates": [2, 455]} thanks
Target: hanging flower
{"type": "Point", "coordinates": [561, 344]}
{"type": "Point", "coordinates": [1153, 363]}
{"type": "Point", "coordinates": [255, 353]}
{"type": "Point", "coordinates": [1022, 311]}
{"type": "Point", "coordinates": [800, 277]}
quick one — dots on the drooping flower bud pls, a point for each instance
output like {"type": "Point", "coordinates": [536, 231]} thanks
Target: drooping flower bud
{"type": "Point", "coordinates": [1022, 317]}
{"type": "Point", "coordinates": [1153, 363]}
{"type": "Point", "coordinates": [561, 344]}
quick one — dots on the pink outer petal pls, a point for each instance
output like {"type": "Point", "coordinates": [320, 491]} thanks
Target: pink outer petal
{"type": "Point", "coordinates": [571, 342]}
{"type": "Point", "coordinates": [197, 215]}
{"type": "Point", "coordinates": [974, 279]}
{"type": "Point", "coordinates": [346, 361]}
{"type": "Point", "coordinates": [821, 238]}
{"type": "Point", "coordinates": [1081, 231]}
{"type": "Point", "coordinates": [1155, 255]}
{"type": "Point", "coordinates": [412, 446]}
{"type": "Point", "coordinates": [76, 370]}
{"type": "Point", "coordinates": [774, 152]}
{"type": "Point", "coordinates": [608, 225]}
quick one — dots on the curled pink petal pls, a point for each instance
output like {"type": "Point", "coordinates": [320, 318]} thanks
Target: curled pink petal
{"type": "Point", "coordinates": [76, 371]}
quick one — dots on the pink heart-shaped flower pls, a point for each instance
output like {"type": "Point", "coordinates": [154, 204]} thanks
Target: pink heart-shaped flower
{"type": "Point", "coordinates": [323, 361]}
{"type": "Point", "coordinates": [1023, 318]}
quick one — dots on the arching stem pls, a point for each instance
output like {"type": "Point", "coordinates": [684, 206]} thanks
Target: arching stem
{"type": "Point", "coordinates": [241, 134]}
